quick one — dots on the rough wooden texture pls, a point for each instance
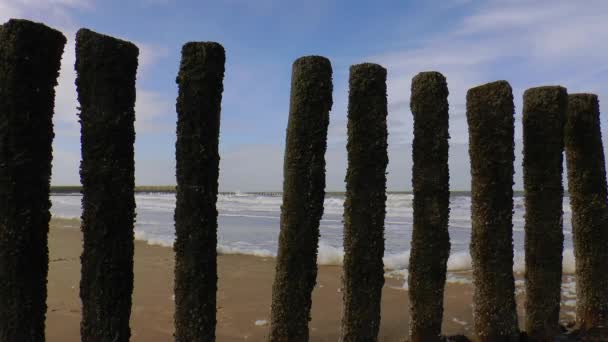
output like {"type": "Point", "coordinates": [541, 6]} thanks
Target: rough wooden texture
{"type": "Point", "coordinates": [30, 55]}
{"type": "Point", "coordinates": [200, 82]}
{"type": "Point", "coordinates": [430, 246]}
{"type": "Point", "coordinates": [303, 194]}
{"type": "Point", "coordinates": [587, 189]}
{"type": "Point", "coordinates": [106, 69]}
{"type": "Point", "coordinates": [491, 149]}
{"type": "Point", "coordinates": [365, 203]}
{"type": "Point", "coordinates": [544, 115]}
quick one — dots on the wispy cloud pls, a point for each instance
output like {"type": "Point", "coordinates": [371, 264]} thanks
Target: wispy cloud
{"type": "Point", "coordinates": [150, 54]}
{"type": "Point", "coordinates": [527, 43]}
{"type": "Point", "coordinates": [53, 12]}
{"type": "Point", "coordinates": [151, 106]}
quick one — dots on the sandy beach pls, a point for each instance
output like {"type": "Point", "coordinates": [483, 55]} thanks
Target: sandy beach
{"type": "Point", "coordinates": [244, 296]}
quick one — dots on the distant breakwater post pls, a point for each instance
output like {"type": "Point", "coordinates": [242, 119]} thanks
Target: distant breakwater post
{"type": "Point", "coordinates": [303, 195]}
{"type": "Point", "coordinates": [30, 56]}
{"type": "Point", "coordinates": [490, 118]}
{"type": "Point", "coordinates": [430, 246]}
{"type": "Point", "coordinates": [365, 203]}
{"type": "Point", "coordinates": [588, 199]}
{"type": "Point", "coordinates": [106, 68]}
{"type": "Point", "coordinates": [544, 115]}
{"type": "Point", "coordinates": [200, 81]}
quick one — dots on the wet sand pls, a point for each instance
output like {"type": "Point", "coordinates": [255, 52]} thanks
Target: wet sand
{"type": "Point", "coordinates": [244, 296]}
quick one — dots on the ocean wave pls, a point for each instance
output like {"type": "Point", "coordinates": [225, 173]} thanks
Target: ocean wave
{"type": "Point", "coordinates": [255, 219]}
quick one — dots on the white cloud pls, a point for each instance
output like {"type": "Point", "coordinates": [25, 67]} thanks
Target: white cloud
{"type": "Point", "coordinates": [56, 13]}
{"type": "Point", "coordinates": [252, 168]}
{"type": "Point", "coordinates": [150, 54]}
{"type": "Point", "coordinates": [65, 166]}
{"type": "Point", "coordinates": [150, 106]}
{"type": "Point", "coordinates": [66, 102]}
{"type": "Point", "coordinates": [527, 43]}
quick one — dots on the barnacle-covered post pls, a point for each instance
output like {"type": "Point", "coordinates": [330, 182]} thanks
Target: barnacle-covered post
{"type": "Point", "coordinates": [200, 82]}
{"type": "Point", "coordinates": [303, 195]}
{"type": "Point", "coordinates": [490, 118]}
{"type": "Point", "coordinates": [365, 202]}
{"type": "Point", "coordinates": [430, 179]}
{"type": "Point", "coordinates": [30, 57]}
{"type": "Point", "coordinates": [544, 115]}
{"type": "Point", "coordinates": [588, 198]}
{"type": "Point", "coordinates": [106, 68]}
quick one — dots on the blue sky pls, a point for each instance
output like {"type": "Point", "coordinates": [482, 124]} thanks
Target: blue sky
{"type": "Point", "coordinates": [528, 43]}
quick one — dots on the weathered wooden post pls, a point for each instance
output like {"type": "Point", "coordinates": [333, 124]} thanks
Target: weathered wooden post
{"type": "Point", "coordinates": [30, 56]}
{"type": "Point", "coordinates": [588, 198]}
{"type": "Point", "coordinates": [365, 203]}
{"type": "Point", "coordinates": [200, 82]}
{"type": "Point", "coordinates": [106, 69]}
{"type": "Point", "coordinates": [491, 149]}
{"type": "Point", "coordinates": [430, 179]}
{"type": "Point", "coordinates": [303, 195]}
{"type": "Point", "coordinates": [544, 115]}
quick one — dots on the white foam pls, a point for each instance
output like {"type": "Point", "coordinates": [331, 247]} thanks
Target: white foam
{"type": "Point", "coordinates": [568, 262]}
{"type": "Point", "coordinates": [459, 261]}
{"type": "Point", "coordinates": [221, 249]}
{"type": "Point", "coordinates": [569, 288]}
{"type": "Point", "coordinates": [329, 255]}
{"type": "Point", "coordinates": [261, 322]}
{"type": "Point", "coordinates": [406, 285]}
{"type": "Point", "coordinates": [64, 216]}
{"type": "Point", "coordinates": [253, 219]}
{"type": "Point", "coordinates": [399, 274]}
{"type": "Point", "coordinates": [396, 261]}
{"type": "Point", "coordinates": [457, 321]}
{"type": "Point", "coordinates": [152, 240]}
{"type": "Point", "coordinates": [456, 279]}
{"type": "Point", "coordinates": [519, 262]}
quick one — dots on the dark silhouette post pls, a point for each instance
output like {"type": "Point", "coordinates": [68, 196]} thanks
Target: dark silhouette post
{"type": "Point", "coordinates": [365, 203]}
{"type": "Point", "coordinates": [106, 69]}
{"type": "Point", "coordinates": [430, 238]}
{"type": "Point", "coordinates": [303, 194]}
{"type": "Point", "coordinates": [200, 82]}
{"type": "Point", "coordinates": [491, 127]}
{"type": "Point", "coordinates": [30, 56]}
{"type": "Point", "coordinates": [588, 198]}
{"type": "Point", "coordinates": [544, 115]}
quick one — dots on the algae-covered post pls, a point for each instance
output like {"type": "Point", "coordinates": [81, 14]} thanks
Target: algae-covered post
{"type": "Point", "coordinates": [200, 81]}
{"type": "Point", "coordinates": [303, 194]}
{"type": "Point", "coordinates": [30, 57]}
{"type": "Point", "coordinates": [588, 199]}
{"type": "Point", "coordinates": [544, 115]}
{"type": "Point", "coordinates": [106, 69]}
{"type": "Point", "coordinates": [365, 202]}
{"type": "Point", "coordinates": [430, 247]}
{"type": "Point", "coordinates": [490, 118]}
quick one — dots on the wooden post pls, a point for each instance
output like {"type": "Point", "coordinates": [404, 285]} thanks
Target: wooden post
{"type": "Point", "coordinates": [544, 115]}
{"type": "Point", "coordinates": [30, 56]}
{"type": "Point", "coordinates": [491, 149]}
{"type": "Point", "coordinates": [365, 203]}
{"type": "Point", "coordinates": [430, 238]}
{"type": "Point", "coordinates": [588, 199]}
{"type": "Point", "coordinates": [303, 194]}
{"type": "Point", "coordinates": [200, 82]}
{"type": "Point", "coordinates": [106, 69]}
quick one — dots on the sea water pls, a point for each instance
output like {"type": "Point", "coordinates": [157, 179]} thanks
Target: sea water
{"type": "Point", "coordinates": [249, 224]}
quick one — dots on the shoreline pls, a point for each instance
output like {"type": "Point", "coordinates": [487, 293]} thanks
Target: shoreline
{"type": "Point", "coordinates": [243, 297]}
